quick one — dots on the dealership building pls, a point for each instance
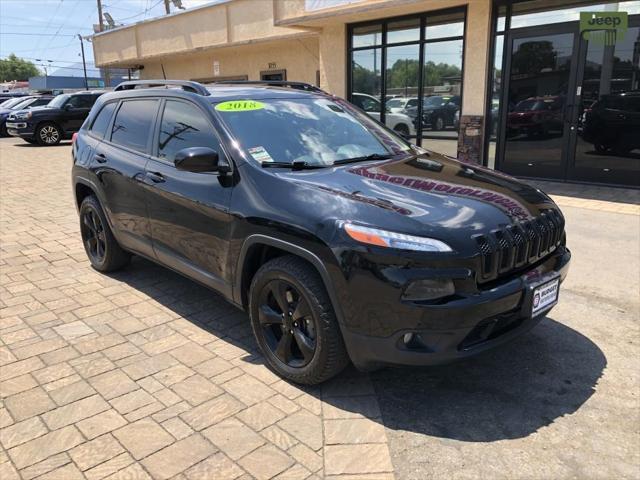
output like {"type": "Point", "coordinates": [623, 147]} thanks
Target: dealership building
{"type": "Point", "coordinates": [538, 88]}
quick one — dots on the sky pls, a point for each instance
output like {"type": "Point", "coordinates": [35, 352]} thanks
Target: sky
{"type": "Point", "coordinates": [45, 31]}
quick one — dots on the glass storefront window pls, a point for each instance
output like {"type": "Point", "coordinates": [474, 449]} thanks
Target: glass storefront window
{"type": "Point", "coordinates": [444, 26]}
{"type": "Point", "coordinates": [404, 31]}
{"type": "Point", "coordinates": [366, 70]}
{"type": "Point", "coordinates": [442, 94]}
{"type": "Point", "coordinates": [367, 36]}
{"type": "Point", "coordinates": [402, 76]}
{"type": "Point", "coordinates": [493, 114]}
{"type": "Point", "coordinates": [396, 99]}
{"type": "Point", "coordinates": [544, 12]}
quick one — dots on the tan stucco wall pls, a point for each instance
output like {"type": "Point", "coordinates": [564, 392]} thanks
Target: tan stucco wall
{"type": "Point", "coordinates": [231, 23]}
{"type": "Point", "coordinates": [477, 41]}
{"type": "Point", "coordinates": [333, 59]}
{"type": "Point", "coordinates": [298, 56]}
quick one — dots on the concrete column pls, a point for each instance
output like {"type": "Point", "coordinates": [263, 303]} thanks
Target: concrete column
{"type": "Point", "coordinates": [333, 59]}
{"type": "Point", "coordinates": [476, 62]}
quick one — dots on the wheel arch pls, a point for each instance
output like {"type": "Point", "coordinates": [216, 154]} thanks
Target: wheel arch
{"type": "Point", "coordinates": [258, 249]}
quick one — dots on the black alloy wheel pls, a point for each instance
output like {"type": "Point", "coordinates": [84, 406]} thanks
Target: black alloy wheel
{"type": "Point", "coordinates": [103, 250]}
{"type": "Point", "coordinates": [93, 235]}
{"type": "Point", "coordinates": [287, 323]}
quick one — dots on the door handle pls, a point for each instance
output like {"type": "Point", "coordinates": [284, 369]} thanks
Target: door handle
{"type": "Point", "coordinates": [100, 158]}
{"type": "Point", "coordinates": [155, 177]}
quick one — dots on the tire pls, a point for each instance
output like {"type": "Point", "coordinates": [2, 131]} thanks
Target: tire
{"type": "Point", "coordinates": [3, 131]}
{"type": "Point", "coordinates": [48, 134]}
{"type": "Point", "coordinates": [438, 124]}
{"type": "Point", "coordinates": [402, 130]}
{"type": "Point", "coordinates": [312, 324]}
{"type": "Point", "coordinates": [103, 250]}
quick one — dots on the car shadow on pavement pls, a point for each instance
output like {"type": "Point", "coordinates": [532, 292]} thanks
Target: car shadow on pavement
{"type": "Point", "coordinates": [35, 145]}
{"type": "Point", "coordinates": [506, 393]}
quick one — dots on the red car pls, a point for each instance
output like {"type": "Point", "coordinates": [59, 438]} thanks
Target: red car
{"type": "Point", "coordinates": [536, 115]}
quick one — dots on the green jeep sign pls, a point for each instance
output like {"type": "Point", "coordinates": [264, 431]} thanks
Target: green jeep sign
{"type": "Point", "coordinates": [603, 27]}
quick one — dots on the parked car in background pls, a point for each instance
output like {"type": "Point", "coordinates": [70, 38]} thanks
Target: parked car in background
{"type": "Point", "coordinates": [9, 95]}
{"type": "Point", "coordinates": [341, 239]}
{"type": "Point", "coordinates": [398, 122]}
{"type": "Point", "coordinates": [22, 104]}
{"type": "Point", "coordinates": [439, 111]}
{"type": "Point", "coordinates": [536, 116]}
{"type": "Point", "coordinates": [401, 104]}
{"type": "Point", "coordinates": [613, 123]}
{"type": "Point", "coordinates": [59, 119]}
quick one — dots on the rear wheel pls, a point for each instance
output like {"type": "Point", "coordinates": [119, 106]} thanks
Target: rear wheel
{"type": "Point", "coordinates": [402, 130]}
{"type": "Point", "coordinates": [102, 248]}
{"type": "Point", "coordinates": [294, 323]}
{"type": "Point", "coordinates": [48, 134]}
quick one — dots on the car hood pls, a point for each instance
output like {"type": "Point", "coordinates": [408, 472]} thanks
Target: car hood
{"type": "Point", "coordinates": [428, 194]}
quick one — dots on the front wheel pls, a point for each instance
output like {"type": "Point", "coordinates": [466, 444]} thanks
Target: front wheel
{"type": "Point", "coordinates": [402, 130]}
{"type": "Point", "coordinates": [48, 134]}
{"type": "Point", "coordinates": [294, 322]}
{"type": "Point", "coordinates": [438, 124]}
{"type": "Point", "coordinates": [103, 250]}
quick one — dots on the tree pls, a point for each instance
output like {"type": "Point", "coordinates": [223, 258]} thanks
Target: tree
{"type": "Point", "coordinates": [18, 69]}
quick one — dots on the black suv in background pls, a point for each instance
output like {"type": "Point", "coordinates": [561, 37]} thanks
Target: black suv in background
{"type": "Point", "coordinates": [59, 119]}
{"type": "Point", "coordinates": [342, 240]}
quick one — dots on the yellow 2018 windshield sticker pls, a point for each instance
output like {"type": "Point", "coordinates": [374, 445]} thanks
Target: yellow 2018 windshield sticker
{"type": "Point", "coordinates": [239, 106]}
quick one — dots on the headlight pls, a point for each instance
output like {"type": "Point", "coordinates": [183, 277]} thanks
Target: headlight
{"type": "Point", "coordinates": [23, 116]}
{"type": "Point", "coordinates": [382, 238]}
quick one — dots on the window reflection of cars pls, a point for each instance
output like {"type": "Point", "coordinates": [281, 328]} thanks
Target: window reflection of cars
{"type": "Point", "coordinates": [401, 104]}
{"type": "Point", "coordinates": [439, 111]}
{"type": "Point", "coordinates": [398, 122]}
{"type": "Point", "coordinates": [613, 123]}
{"type": "Point", "coordinates": [536, 115]}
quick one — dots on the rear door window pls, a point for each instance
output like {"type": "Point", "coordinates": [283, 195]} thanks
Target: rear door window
{"type": "Point", "coordinates": [133, 123]}
{"type": "Point", "coordinates": [184, 125]}
{"type": "Point", "coordinates": [100, 124]}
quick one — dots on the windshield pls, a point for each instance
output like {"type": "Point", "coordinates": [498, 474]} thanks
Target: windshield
{"type": "Point", "coordinates": [317, 131]}
{"type": "Point", "coordinates": [59, 101]}
{"type": "Point", "coordinates": [395, 103]}
{"type": "Point", "coordinates": [433, 101]}
{"type": "Point", "coordinates": [23, 104]}
{"type": "Point", "coordinates": [12, 102]}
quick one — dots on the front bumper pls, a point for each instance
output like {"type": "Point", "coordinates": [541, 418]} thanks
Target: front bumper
{"type": "Point", "coordinates": [17, 128]}
{"type": "Point", "coordinates": [460, 328]}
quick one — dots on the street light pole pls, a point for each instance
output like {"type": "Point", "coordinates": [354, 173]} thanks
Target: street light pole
{"type": "Point", "coordinates": [84, 63]}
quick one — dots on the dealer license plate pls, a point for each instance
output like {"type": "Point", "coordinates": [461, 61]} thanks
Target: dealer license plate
{"type": "Point", "coordinates": [545, 296]}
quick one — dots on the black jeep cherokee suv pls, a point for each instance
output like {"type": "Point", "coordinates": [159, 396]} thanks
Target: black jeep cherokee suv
{"type": "Point", "coordinates": [340, 239]}
{"type": "Point", "coordinates": [59, 119]}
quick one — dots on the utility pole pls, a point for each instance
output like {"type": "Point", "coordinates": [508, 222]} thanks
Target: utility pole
{"type": "Point", "coordinates": [100, 20]}
{"type": "Point", "coordinates": [105, 71]}
{"type": "Point", "coordinates": [84, 63]}
{"type": "Point", "coordinates": [166, 6]}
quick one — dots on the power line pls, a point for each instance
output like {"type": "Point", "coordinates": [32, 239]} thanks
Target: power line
{"type": "Point", "coordinates": [35, 34]}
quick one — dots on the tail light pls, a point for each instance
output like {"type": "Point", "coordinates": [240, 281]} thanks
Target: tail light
{"type": "Point", "coordinates": [73, 138]}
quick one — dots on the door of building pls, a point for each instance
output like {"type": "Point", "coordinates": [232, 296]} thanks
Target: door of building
{"type": "Point", "coordinates": [570, 106]}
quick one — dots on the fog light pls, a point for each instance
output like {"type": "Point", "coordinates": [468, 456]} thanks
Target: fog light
{"type": "Point", "coordinates": [407, 338]}
{"type": "Point", "coordinates": [428, 289]}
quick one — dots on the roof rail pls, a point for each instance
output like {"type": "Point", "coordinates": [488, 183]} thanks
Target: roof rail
{"type": "Point", "coordinates": [186, 85]}
{"type": "Point", "coordinates": [276, 83]}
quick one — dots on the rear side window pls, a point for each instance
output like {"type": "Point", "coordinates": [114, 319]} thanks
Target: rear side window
{"type": "Point", "coordinates": [82, 101]}
{"type": "Point", "coordinates": [40, 101]}
{"type": "Point", "coordinates": [100, 124]}
{"type": "Point", "coordinates": [132, 125]}
{"type": "Point", "coordinates": [184, 125]}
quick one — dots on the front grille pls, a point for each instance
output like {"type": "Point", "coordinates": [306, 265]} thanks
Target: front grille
{"type": "Point", "coordinates": [510, 248]}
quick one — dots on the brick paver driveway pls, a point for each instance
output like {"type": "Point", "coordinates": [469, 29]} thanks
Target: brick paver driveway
{"type": "Point", "coordinates": [146, 374]}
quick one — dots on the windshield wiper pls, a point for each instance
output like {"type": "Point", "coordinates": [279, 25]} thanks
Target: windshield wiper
{"type": "Point", "coordinates": [296, 165]}
{"type": "Point", "coordinates": [364, 158]}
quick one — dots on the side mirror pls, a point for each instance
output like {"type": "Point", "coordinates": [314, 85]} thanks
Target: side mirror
{"type": "Point", "coordinates": [68, 107]}
{"type": "Point", "coordinates": [199, 160]}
